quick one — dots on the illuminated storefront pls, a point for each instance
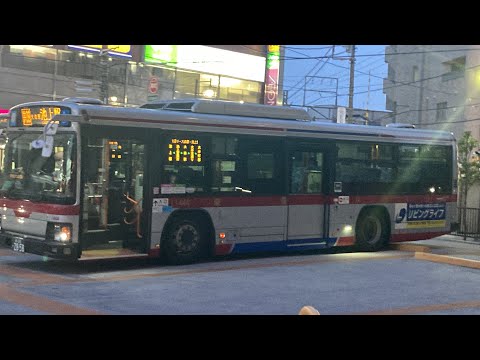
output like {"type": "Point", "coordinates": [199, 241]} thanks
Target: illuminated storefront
{"type": "Point", "coordinates": [208, 72]}
{"type": "Point", "coordinates": [130, 75]}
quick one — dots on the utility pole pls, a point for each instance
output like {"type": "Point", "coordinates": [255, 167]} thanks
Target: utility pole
{"type": "Point", "coordinates": [352, 83]}
{"type": "Point", "coordinates": [104, 76]}
{"type": "Point", "coordinates": [285, 98]}
{"type": "Point", "coordinates": [420, 100]}
{"type": "Point", "coordinates": [55, 71]}
{"type": "Point", "coordinates": [368, 100]}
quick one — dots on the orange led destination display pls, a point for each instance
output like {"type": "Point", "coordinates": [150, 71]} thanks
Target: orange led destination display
{"type": "Point", "coordinates": [184, 150]}
{"type": "Point", "coordinates": [40, 115]}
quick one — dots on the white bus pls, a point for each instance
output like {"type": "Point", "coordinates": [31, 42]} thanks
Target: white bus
{"type": "Point", "coordinates": [190, 179]}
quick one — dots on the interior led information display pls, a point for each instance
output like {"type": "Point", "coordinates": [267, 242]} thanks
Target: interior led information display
{"type": "Point", "coordinates": [184, 151]}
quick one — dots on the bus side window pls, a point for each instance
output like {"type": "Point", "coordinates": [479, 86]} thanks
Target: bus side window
{"type": "Point", "coordinates": [185, 175]}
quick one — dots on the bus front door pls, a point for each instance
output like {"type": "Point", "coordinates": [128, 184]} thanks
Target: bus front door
{"type": "Point", "coordinates": [112, 211]}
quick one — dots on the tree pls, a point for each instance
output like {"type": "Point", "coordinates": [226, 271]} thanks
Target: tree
{"type": "Point", "coordinates": [469, 170]}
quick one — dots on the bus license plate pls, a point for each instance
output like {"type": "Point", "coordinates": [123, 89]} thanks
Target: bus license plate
{"type": "Point", "coordinates": [18, 245]}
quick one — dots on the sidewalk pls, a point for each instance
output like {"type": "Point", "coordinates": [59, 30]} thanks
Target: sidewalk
{"type": "Point", "coordinates": [450, 249]}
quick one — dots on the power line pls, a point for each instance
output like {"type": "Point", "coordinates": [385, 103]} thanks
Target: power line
{"type": "Point", "coordinates": [431, 109]}
{"type": "Point", "coordinates": [401, 83]}
{"type": "Point", "coordinates": [383, 54]}
{"type": "Point", "coordinates": [319, 63]}
{"type": "Point", "coordinates": [411, 82]}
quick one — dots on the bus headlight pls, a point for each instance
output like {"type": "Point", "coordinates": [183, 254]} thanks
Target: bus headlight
{"type": "Point", "coordinates": [59, 232]}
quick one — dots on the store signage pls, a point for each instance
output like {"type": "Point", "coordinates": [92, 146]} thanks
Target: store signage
{"type": "Point", "coordinates": [272, 74]}
{"type": "Point", "coordinates": [113, 50]}
{"type": "Point", "coordinates": [208, 59]}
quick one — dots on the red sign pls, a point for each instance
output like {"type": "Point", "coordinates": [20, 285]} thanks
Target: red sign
{"type": "Point", "coordinates": [153, 85]}
{"type": "Point", "coordinates": [271, 87]}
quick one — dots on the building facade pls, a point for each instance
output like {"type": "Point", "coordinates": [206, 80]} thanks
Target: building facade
{"type": "Point", "coordinates": [131, 75]}
{"type": "Point", "coordinates": [435, 87]}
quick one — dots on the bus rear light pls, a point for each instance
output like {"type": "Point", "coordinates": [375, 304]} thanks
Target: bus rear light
{"type": "Point", "coordinates": [222, 237]}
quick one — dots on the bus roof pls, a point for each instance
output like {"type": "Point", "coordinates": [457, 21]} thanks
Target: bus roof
{"type": "Point", "coordinates": [222, 107]}
{"type": "Point", "coordinates": [191, 119]}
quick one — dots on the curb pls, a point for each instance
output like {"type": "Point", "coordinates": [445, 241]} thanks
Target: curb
{"type": "Point", "coordinates": [411, 247]}
{"type": "Point", "coordinates": [458, 239]}
{"type": "Point", "coordinates": [473, 264]}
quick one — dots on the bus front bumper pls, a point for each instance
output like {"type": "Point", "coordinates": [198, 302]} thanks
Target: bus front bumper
{"type": "Point", "coordinates": [50, 249]}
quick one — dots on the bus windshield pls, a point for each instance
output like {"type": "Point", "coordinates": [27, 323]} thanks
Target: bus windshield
{"type": "Point", "coordinates": [30, 176]}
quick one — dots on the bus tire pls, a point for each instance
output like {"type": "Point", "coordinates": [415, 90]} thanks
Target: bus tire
{"type": "Point", "coordinates": [185, 242]}
{"type": "Point", "coordinates": [372, 231]}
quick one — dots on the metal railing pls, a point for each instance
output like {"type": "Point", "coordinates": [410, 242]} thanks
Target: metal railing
{"type": "Point", "coordinates": [469, 222]}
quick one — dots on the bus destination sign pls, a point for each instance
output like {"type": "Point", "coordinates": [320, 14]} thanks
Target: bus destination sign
{"type": "Point", "coordinates": [40, 115]}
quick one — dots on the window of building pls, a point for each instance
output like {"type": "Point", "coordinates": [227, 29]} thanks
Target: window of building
{"type": "Point", "coordinates": [458, 65]}
{"type": "Point", "coordinates": [239, 90]}
{"type": "Point", "coordinates": [416, 74]}
{"type": "Point", "coordinates": [441, 111]}
{"type": "Point", "coordinates": [454, 69]}
{"type": "Point", "coordinates": [29, 57]}
{"type": "Point", "coordinates": [198, 85]}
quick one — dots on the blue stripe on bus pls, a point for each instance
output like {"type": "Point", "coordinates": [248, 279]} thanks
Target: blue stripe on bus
{"type": "Point", "coordinates": [283, 245]}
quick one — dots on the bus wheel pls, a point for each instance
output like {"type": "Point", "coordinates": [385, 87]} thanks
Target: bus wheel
{"type": "Point", "coordinates": [371, 231]}
{"type": "Point", "coordinates": [185, 242]}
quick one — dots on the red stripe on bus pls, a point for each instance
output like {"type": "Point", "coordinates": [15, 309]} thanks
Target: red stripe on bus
{"type": "Point", "coordinates": [303, 199]}
{"type": "Point", "coordinates": [223, 249]}
{"type": "Point", "coordinates": [228, 201]}
{"type": "Point", "coordinates": [417, 199]}
{"type": "Point", "coordinates": [189, 123]}
{"type": "Point", "coordinates": [154, 252]}
{"type": "Point", "coordinates": [345, 241]}
{"type": "Point", "coordinates": [307, 199]}
{"type": "Point", "coordinates": [22, 213]}
{"type": "Point", "coordinates": [30, 207]}
{"type": "Point", "coordinates": [417, 236]}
